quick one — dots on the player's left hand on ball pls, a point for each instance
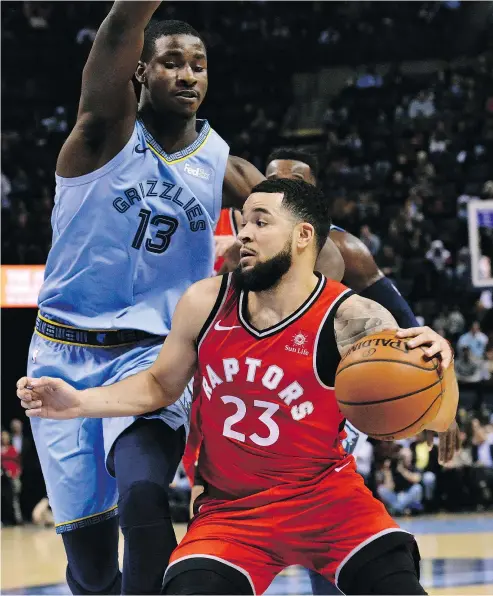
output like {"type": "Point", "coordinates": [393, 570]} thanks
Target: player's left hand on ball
{"type": "Point", "coordinates": [449, 443]}
{"type": "Point", "coordinates": [47, 397]}
{"type": "Point", "coordinates": [436, 345]}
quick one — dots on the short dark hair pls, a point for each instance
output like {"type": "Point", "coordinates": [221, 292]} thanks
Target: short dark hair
{"type": "Point", "coordinates": [305, 201]}
{"type": "Point", "coordinates": [293, 154]}
{"type": "Point", "coordinates": [157, 29]}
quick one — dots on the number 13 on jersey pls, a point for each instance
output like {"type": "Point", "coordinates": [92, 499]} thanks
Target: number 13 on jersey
{"type": "Point", "coordinates": [165, 227]}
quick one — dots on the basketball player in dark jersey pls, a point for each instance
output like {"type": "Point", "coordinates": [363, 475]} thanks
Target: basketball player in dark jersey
{"type": "Point", "coordinates": [266, 342]}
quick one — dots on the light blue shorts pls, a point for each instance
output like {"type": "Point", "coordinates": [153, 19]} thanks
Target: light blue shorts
{"type": "Point", "coordinates": [73, 453]}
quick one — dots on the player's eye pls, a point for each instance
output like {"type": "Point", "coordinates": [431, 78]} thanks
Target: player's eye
{"type": "Point", "coordinates": [199, 68]}
{"type": "Point", "coordinates": [169, 64]}
{"type": "Point", "coordinates": [261, 224]}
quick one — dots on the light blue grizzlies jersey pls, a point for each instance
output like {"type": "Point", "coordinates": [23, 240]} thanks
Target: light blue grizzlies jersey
{"type": "Point", "coordinates": [131, 237]}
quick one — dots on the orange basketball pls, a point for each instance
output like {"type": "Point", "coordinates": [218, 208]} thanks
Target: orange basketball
{"type": "Point", "coordinates": [386, 389]}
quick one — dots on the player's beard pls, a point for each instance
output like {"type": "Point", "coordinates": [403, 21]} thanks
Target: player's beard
{"type": "Point", "coordinates": [264, 276]}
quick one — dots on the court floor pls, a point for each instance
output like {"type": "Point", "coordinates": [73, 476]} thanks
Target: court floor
{"type": "Point", "coordinates": [456, 550]}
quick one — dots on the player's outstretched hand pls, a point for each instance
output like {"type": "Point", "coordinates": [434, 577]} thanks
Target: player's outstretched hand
{"type": "Point", "coordinates": [449, 442]}
{"type": "Point", "coordinates": [47, 397]}
{"type": "Point", "coordinates": [436, 344]}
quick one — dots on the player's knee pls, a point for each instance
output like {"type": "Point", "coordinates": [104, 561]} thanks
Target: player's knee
{"type": "Point", "coordinates": [205, 576]}
{"type": "Point", "coordinates": [144, 502]}
{"type": "Point", "coordinates": [395, 571]}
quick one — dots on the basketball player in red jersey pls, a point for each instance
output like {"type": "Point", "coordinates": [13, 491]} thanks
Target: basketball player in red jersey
{"type": "Point", "coordinates": [266, 342]}
{"type": "Point", "coordinates": [358, 269]}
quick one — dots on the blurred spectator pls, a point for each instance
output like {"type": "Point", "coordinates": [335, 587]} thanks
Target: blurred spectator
{"type": "Point", "coordinates": [389, 263]}
{"type": "Point", "coordinates": [11, 466]}
{"type": "Point", "coordinates": [482, 441]}
{"type": "Point", "coordinates": [400, 488]}
{"type": "Point", "coordinates": [422, 106]}
{"type": "Point", "coordinates": [426, 463]}
{"type": "Point", "coordinates": [438, 255]}
{"type": "Point", "coordinates": [10, 458]}
{"type": "Point", "coordinates": [475, 340]}
{"type": "Point", "coordinates": [364, 460]}
{"type": "Point", "coordinates": [455, 323]}
{"type": "Point", "coordinates": [16, 428]}
{"type": "Point", "coordinates": [468, 369]}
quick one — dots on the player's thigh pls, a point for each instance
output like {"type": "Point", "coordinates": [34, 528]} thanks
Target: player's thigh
{"type": "Point", "coordinates": [215, 543]}
{"type": "Point", "coordinates": [348, 521]}
{"type": "Point", "coordinates": [71, 452]}
{"type": "Point", "coordinates": [176, 416]}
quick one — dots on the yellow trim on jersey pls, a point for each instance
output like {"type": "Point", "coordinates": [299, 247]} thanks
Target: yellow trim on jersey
{"type": "Point", "coordinates": [73, 343]}
{"type": "Point", "coordinates": [72, 521]}
{"type": "Point", "coordinates": [173, 161]}
{"type": "Point", "coordinates": [50, 322]}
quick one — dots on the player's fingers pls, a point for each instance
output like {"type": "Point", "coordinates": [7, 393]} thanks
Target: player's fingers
{"type": "Point", "coordinates": [21, 383]}
{"type": "Point", "coordinates": [43, 382]}
{"type": "Point", "coordinates": [31, 405]}
{"type": "Point", "coordinates": [458, 440]}
{"type": "Point", "coordinates": [25, 394]}
{"type": "Point", "coordinates": [411, 332]}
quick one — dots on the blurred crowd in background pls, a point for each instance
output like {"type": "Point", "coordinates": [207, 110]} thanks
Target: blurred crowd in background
{"type": "Point", "coordinates": [402, 150]}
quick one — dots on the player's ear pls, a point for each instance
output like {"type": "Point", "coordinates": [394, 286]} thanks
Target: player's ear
{"type": "Point", "coordinates": [306, 234]}
{"type": "Point", "coordinates": [140, 72]}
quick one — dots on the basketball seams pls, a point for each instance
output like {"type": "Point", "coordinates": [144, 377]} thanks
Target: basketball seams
{"type": "Point", "coordinates": [397, 397]}
{"type": "Point", "coordinates": [435, 368]}
{"type": "Point", "coordinates": [390, 434]}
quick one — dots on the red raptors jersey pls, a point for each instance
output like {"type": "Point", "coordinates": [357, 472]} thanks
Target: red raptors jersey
{"type": "Point", "coordinates": [226, 226]}
{"type": "Point", "coordinates": [268, 410]}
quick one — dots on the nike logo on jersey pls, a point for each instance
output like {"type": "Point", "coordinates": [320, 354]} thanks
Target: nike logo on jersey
{"type": "Point", "coordinates": [219, 327]}
{"type": "Point", "coordinates": [342, 467]}
{"type": "Point", "coordinates": [139, 149]}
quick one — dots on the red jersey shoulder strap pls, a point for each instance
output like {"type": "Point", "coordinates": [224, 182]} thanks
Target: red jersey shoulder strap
{"type": "Point", "coordinates": [326, 355]}
{"type": "Point", "coordinates": [224, 292]}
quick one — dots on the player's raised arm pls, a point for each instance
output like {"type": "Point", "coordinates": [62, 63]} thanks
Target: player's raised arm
{"type": "Point", "coordinates": [108, 104]}
{"type": "Point", "coordinates": [159, 386]}
{"type": "Point", "coordinates": [240, 177]}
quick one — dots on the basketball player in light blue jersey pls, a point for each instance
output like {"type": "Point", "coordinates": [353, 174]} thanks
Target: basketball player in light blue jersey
{"type": "Point", "coordinates": [139, 189]}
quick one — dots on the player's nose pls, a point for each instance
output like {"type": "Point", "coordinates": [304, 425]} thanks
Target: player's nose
{"type": "Point", "coordinates": [187, 76]}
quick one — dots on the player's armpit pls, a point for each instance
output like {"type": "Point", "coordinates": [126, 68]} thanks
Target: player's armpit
{"type": "Point", "coordinates": [330, 262]}
{"type": "Point", "coordinates": [240, 177]}
{"type": "Point", "coordinates": [360, 270]}
{"type": "Point", "coordinates": [358, 317]}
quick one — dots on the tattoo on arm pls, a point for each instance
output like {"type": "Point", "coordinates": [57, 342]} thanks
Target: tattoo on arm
{"type": "Point", "coordinates": [358, 317]}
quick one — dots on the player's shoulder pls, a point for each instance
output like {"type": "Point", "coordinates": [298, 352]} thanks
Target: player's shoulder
{"type": "Point", "coordinates": [349, 245]}
{"type": "Point", "coordinates": [198, 302]}
{"type": "Point", "coordinates": [205, 291]}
